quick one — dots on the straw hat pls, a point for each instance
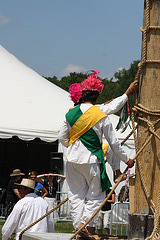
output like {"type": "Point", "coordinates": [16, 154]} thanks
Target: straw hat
{"type": "Point", "coordinates": [27, 183]}
{"type": "Point", "coordinates": [16, 172]}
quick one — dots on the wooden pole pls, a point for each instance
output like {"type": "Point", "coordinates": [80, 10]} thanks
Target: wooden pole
{"type": "Point", "coordinates": [149, 97]}
{"type": "Point", "coordinates": [145, 190]}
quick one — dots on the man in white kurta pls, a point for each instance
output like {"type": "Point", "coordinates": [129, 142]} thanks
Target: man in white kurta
{"type": "Point", "coordinates": [82, 169]}
{"type": "Point", "coordinates": [26, 211]}
{"type": "Point", "coordinates": [108, 108]}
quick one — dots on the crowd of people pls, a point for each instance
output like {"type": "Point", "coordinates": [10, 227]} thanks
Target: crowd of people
{"type": "Point", "coordinates": [90, 139]}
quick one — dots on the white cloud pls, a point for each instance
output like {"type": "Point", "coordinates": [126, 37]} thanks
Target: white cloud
{"type": "Point", "coordinates": [4, 20]}
{"type": "Point", "coordinates": [72, 68]}
{"type": "Point", "coordinates": [111, 74]}
{"type": "Point", "coordinates": [119, 69]}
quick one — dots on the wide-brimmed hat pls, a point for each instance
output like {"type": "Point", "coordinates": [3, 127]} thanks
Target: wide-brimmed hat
{"type": "Point", "coordinates": [17, 172]}
{"type": "Point", "coordinates": [27, 183]}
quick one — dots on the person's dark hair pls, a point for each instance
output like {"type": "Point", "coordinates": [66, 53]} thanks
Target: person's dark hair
{"type": "Point", "coordinates": [80, 101]}
{"type": "Point", "coordinates": [90, 96]}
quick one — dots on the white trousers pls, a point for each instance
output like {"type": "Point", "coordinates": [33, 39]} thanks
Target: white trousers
{"type": "Point", "coordinates": [103, 219]}
{"type": "Point", "coordinates": [85, 192]}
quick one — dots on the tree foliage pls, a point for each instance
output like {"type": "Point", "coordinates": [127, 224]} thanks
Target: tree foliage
{"type": "Point", "coordinates": [67, 81]}
{"type": "Point", "coordinates": [112, 88]}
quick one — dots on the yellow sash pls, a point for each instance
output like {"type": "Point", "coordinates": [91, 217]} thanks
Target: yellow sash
{"type": "Point", "coordinates": [85, 122]}
{"type": "Point", "coordinates": [105, 148]}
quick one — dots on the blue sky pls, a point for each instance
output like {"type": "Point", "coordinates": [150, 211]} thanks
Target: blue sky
{"type": "Point", "coordinates": [55, 37]}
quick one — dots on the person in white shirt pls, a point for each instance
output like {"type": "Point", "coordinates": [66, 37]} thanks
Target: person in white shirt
{"type": "Point", "coordinates": [110, 107]}
{"type": "Point", "coordinates": [26, 211]}
{"type": "Point", "coordinates": [85, 160]}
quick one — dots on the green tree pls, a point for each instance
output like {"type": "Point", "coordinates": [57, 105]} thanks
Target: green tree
{"type": "Point", "coordinates": [112, 89]}
{"type": "Point", "coordinates": [67, 81]}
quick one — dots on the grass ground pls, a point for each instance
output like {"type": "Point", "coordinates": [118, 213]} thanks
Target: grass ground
{"type": "Point", "coordinates": [60, 227]}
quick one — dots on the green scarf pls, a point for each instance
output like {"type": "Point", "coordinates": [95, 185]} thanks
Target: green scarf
{"type": "Point", "coordinates": [91, 142]}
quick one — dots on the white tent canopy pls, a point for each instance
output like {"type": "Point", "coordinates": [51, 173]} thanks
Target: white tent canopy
{"type": "Point", "coordinates": [30, 106]}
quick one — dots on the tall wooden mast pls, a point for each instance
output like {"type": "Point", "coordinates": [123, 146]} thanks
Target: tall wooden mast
{"type": "Point", "coordinates": [147, 181]}
{"type": "Point", "coordinates": [149, 97]}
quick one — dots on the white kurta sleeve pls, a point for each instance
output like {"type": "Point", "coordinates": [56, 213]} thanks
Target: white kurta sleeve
{"type": "Point", "coordinates": [115, 105]}
{"type": "Point", "coordinates": [115, 145]}
{"type": "Point", "coordinates": [64, 134]}
{"type": "Point", "coordinates": [11, 223]}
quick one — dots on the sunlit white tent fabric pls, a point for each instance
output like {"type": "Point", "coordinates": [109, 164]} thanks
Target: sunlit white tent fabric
{"type": "Point", "coordinates": [30, 106]}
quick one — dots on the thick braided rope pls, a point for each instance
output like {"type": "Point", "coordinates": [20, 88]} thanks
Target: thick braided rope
{"type": "Point", "coordinates": [39, 219]}
{"type": "Point", "coordinates": [141, 108]}
{"type": "Point", "coordinates": [151, 127]}
{"type": "Point", "coordinates": [156, 233]}
{"type": "Point", "coordinates": [139, 165]}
